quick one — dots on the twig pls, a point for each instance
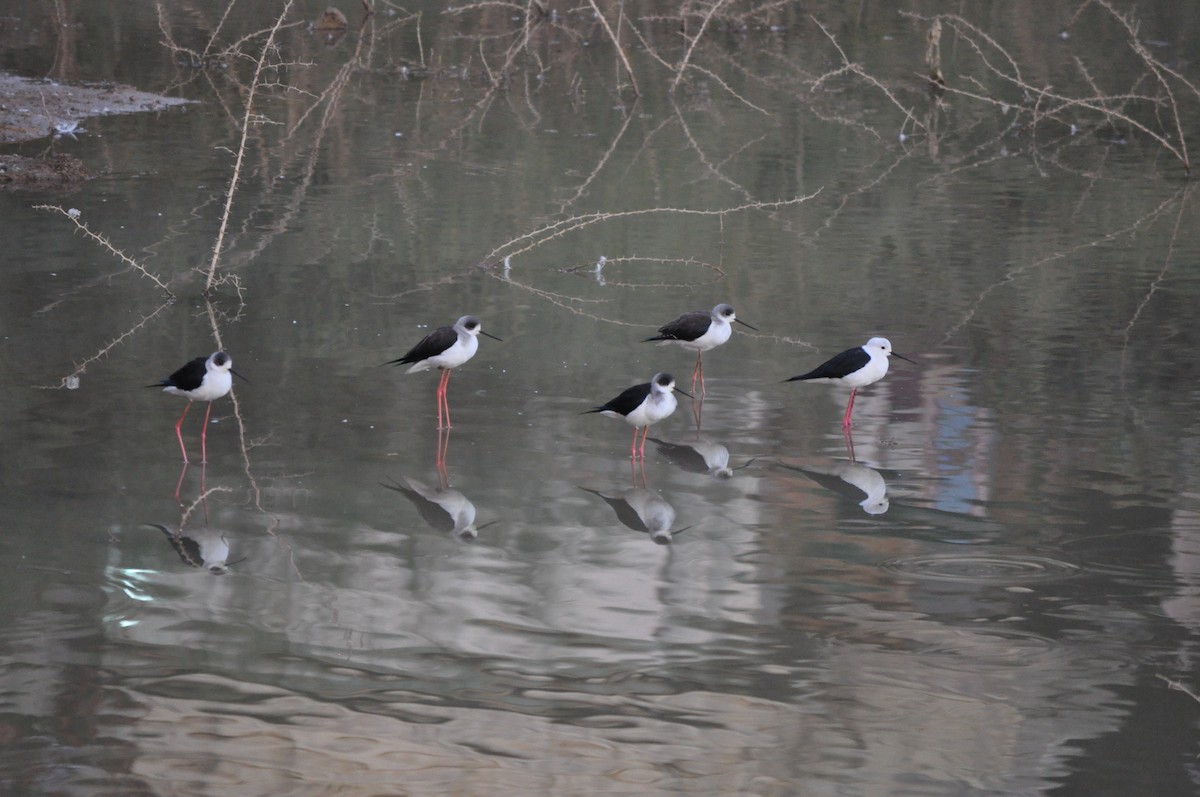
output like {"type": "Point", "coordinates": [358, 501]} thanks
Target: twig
{"type": "Point", "coordinates": [187, 513]}
{"type": "Point", "coordinates": [100, 239]}
{"type": "Point", "coordinates": [68, 381]}
{"type": "Point", "coordinates": [563, 226]}
{"type": "Point", "coordinates": [1178, 687]}
{"type": "Point", "coordinates": [1012, 274]}
{"type": "Point", "coordinates": [854, 68]}
{"type": "Point", "coordinates": [241, 151]}
{"type": "Point", "coordinates": [687, 56]}
{"type": "Point", "coordinates": [617, 43]}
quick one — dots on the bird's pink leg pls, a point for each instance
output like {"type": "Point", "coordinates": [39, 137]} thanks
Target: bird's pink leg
{"type": "Point", "coordinates": [698, 371]}
{"type": "Point", "coordinates": [204, 436]}
{"type": "Point", "coordinates": [633, 445]}
{"type": "Point", "coordinates": [642, 447]}
{"type": "Point", "coordinates": [849, 409]}
{"type": "Point", "coordinates": [446, 401]}
{"type": "Point", "coordinates": [179, 434]}
{"type": "Point", "coordinates": [441, 396]}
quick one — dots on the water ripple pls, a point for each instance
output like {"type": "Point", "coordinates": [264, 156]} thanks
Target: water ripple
{"type": "Point", "coordinates": [983, 568]}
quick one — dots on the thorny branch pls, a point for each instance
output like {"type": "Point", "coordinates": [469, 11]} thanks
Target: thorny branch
{"type": "Point", "coordinates": [104, 242]}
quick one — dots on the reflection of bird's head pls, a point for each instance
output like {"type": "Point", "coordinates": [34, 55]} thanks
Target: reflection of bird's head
{"type": "Point", "coordinates": [875, 506]}
{"type": "Point", "coordinates": [468, 535]}
{"type": "Point", "coordinates": [663, 537]}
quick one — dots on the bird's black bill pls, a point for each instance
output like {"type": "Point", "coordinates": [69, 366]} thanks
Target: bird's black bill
{"type": "Point", "coordinates": [902, 357]}
{"type": "Point", "coordinates": [684, 392]}
{"type": "Point", "coordinates": [743, 323]}
{"type": "Point", "coordinates": [493, 337]}
{"type": "Point", "coordinates": [239, 376]}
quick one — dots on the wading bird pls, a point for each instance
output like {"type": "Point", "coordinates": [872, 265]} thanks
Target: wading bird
{"type": "Point", "coordinates": [643, 405]}
{"type": "Point", "coordinates": [855, 368]}
{"type": "Point", "coordinates": [202, 379]}
{"type": "Point", "coordinates": [699, 331]}
{"type": "Point", "coordinates": [445, 348]}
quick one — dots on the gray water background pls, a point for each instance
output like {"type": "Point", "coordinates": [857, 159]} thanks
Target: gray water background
{"type": "Point", "coordinates": [1013, 623]}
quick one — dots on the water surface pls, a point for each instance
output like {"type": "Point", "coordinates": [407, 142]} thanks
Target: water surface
{"type": "Point", "coordinates": [990, 588]}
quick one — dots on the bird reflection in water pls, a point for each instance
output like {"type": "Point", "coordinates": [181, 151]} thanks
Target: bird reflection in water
{"type": "Point", "coordinates": [202, 548]}
{"type": "Point", "coordinates": [642, 510]}
{"type": "Point", "coordinates": [443, 508]}
{"type": "Point", "coordinates": [852, 480]}
{"type": "Point", "coordinates": [697, 456]}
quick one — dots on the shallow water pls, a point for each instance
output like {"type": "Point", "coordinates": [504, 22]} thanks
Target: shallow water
{"type": "Point", "coordinates": [989, 588]}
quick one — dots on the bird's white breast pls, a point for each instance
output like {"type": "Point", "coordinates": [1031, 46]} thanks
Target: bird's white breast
{"type": "Point", "coordinates": [656, 407]}
{"type": "Point", "coordinates": [875, 370]}
{"type": "Point", "coordinates": [717, 333]}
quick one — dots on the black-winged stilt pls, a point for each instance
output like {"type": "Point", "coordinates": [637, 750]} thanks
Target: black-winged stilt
{"type": "Point", "coordinates": [700, 331]}
{"type": "Point", "coordinates": [445, 348]}
{"type": "Point", "coordinates": [202, 379]}
{"type": "Point", "coordinates": [643, 405]}
{"type": "Point", "coordinates": [855, 368]}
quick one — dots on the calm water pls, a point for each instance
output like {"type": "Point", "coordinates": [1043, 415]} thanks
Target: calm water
{"type": "Point", "coordinates": [991, 588]}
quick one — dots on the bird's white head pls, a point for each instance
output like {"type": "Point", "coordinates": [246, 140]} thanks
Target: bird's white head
{"type": "Point", "coordinates": [881, 345]}
{"type": "Point", "coordinates": [472, 326]}
{"type": "Point", "coordinates": [724, 312]}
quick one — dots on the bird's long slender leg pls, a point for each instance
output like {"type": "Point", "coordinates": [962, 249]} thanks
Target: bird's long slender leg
{"type": "Point", "coordinates": [633, 445]}
{"type": "Point", "coordinates": [438, 399]}
{"type": "Point", "coordinates": [179, 434]}
{"type": "Point", "coordinates": [642, 447]}
{"type": "Point", "coordinates": [441, 396]}
{"type": "Point", "coordinates": [698, 371]}
{"type": "Point", "coordinates": [443, 402]}
{"type": "Point", "coordinates": [204, 436]}
{"type": "Point", "coordinates": [849, 409]}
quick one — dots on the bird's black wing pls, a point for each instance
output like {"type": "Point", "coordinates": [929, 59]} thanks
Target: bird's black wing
{"type": "Point", "coordinates": [189, 377]}
{"type": "Point", "coordinates": [838, 366]}
{"type": "Point", "coordinates": [688, 326]}
{"type": "Point", "coordinates": [629, 400]}
{"type": "Point", "coordinates": [431, 345]}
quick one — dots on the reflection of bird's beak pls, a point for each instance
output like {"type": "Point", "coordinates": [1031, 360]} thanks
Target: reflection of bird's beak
{"type": "Point", "coordinates": [684, 392]}
{"type": "Point", "coordinates": [239, 376]}
{"type": "Point", "coordinates": [902, 357]}
{"type": "Point", "coordinates": [743, 323]}
{"type": "Point", "coordinates": [493, 337]}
